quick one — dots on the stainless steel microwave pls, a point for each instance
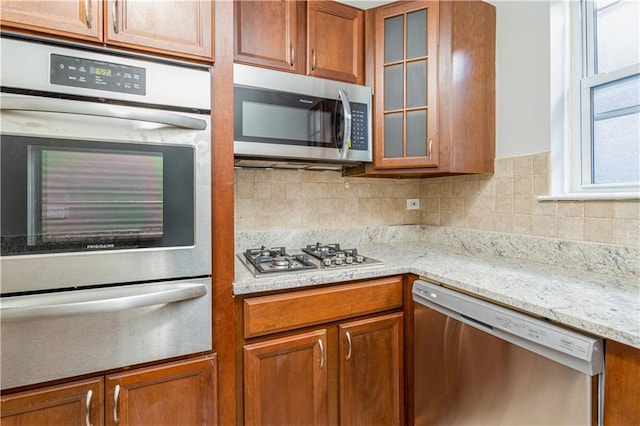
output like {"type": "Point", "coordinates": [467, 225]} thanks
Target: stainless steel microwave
{"type": "Point", "coordinates": [295, 121]}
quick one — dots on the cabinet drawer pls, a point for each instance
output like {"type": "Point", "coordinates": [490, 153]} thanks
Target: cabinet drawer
{"type": "Point", "coordinates": [269, 314]}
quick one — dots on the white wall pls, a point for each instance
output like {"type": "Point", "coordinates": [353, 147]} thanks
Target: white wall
{"type": "Point", "coordinates": [522, 77]}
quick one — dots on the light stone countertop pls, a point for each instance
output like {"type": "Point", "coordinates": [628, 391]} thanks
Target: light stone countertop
{"type": "Point", "coordinates": [600, 304]}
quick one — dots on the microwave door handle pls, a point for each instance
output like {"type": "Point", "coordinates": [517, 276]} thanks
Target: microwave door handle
{"type": "Point", "coordinates": [55, 305]}
{"type": "Point", "coordinates": [102, 110]}
{"type": "Point", "coordinates": [346, 109]}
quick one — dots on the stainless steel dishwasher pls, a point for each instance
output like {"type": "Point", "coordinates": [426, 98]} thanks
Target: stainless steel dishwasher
{"type": "Point", "coordinates": [477, 363]}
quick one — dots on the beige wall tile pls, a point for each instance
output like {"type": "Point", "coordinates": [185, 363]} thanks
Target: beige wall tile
{"type": "Point", "coordinates": [627, 232]}
{"type": "Point", "coordinates": [570, 208]}
{"type": "Point", "coordinates": [504, 205]}
{"type": "Point", "coordinates": [540, 163]}
{"type": "Point", "coordinates": [504, 187]}
{"type": "Point", "coordinates": [523, 205]}
{"type": "Point", "coordinates": [522, 166]}
{"type": "Point", "coordinates": [626, 210]}
{"type": "Point", "coordinates": [504, 222]}
{"type": "Point", "coordinates": [603, 209]}
{"type": "Point", "coordinates": [598, 230]}
{"type": "Point", "coordinates": [505, 202]}
{"type": "Point", "coordinates": [523, 185]}
{"type": "Point", "coordinates": [570, 228]}
{"type": "Point", "coordinates": [544, 226]}
{"type": "Point", "coordinates": [522, 224]}
{"type": "Point", "coordinates": [504, 167]}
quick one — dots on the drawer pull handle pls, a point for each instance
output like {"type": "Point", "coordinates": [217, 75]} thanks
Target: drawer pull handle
{"type": "Point", "coordinates": [349, 343]}
{"type": "Point", "coordinates": [321, 353]}
{"type": "Point", "coordinates": [116, 397]}
{"type": "Point", "coordinates": [87, 408]}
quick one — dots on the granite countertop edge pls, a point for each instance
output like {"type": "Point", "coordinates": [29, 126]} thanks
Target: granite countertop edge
{"type": "Point", "coordinates": [598, 304]}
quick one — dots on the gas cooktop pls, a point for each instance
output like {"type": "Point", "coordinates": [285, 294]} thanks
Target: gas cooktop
{"type": "Point", "coordinates": [276, 260]}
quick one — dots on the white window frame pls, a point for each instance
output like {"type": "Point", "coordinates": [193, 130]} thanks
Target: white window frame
{"type": "Point", "coordinates": [570, 86]}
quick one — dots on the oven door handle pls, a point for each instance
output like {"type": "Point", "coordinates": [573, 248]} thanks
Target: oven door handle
{"type": "Point", "coordinates": [85, 302]}
{"type": "Point", "coordinates": [102, 110]}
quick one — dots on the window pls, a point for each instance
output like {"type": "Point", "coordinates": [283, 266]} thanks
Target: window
{"type": "Point", "coordinates": [596, 148]}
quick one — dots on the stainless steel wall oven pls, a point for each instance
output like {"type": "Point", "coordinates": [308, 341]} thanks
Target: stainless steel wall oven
{"type": "Point", "coordinates": [104, 209]}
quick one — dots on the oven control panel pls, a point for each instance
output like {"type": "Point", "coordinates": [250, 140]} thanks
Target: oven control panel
{"type": "Point", "coordinates": [92, 74]}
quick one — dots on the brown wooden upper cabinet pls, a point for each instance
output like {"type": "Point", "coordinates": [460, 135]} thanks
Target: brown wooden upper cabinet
{"type": "Point", "coordinates": [183, 29]}
{"type": "Point", "coordinates": [434, 88]}
{"type": "Point", "coordinates": [320, 38]}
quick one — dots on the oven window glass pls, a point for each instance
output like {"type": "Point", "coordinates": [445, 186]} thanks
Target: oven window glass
{"type": "Point", "coordinates": [60, 195]}
{"type": "Point", "coordinates": [93, 194]}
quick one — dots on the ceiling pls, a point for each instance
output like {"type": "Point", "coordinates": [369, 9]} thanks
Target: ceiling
{"type": "Point", "coordinates": [366, 4]}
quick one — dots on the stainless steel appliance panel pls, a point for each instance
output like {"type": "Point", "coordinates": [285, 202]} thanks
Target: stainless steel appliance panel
{"type": "Point", "coordinates": [471, 369]}
{"type": "Point", "coordinates": [58, 335]}
{"type": "Point", "coordinates": [25, 63]}
{"type": "Point", "coordinates": [285, 118]}
{"type": "Point", "coordinates": [59, 270]}
{"type": "Point", "coordinates": [171, 109]}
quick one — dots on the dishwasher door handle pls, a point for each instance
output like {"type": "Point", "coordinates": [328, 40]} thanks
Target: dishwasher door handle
{"type": "Point", "coordinates": [102, 300]}
{"type": "Point", "coordinates": [102, 110]}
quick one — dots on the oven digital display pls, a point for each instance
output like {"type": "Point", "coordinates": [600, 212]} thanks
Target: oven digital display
{"type": "Point", "coordinates": [100, 71]}
{"type": "Point", "coordinates": [99, 75]}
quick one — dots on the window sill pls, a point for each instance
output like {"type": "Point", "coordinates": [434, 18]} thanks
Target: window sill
{"type": "Point", "coordinates": [602, 196]}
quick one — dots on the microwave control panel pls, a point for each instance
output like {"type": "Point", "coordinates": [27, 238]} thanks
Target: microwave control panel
{"type": "Point", "coordinates": [99, 75]}
{"type": "Point", "coordinates": [359, 127]}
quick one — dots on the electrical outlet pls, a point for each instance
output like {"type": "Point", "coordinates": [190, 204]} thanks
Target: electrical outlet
{"type": "Point", "coordinates": [413, 203]}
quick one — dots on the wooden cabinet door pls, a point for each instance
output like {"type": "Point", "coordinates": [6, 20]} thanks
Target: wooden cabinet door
{"type": "Point", "coordinates": [621, 388]}
{"type": "Point", "coordinates": [406, 85]}
{"type": "Point", "coordinates": [267, 33]}
{"type": "Point", "coordinates": [335, 41]}
{"type": "Point", "coordinates": [371, 371]}
{"type": "Point", "coordinates": [178, 393]}
{"type": "Point", "coordinates": [182, 28]}
{"type": "Point", "coordinates": [77, 403]}
{"type": "Point", "coordinates": [285, 380]}
{"type": "Point", "coordinates": [70, 18]}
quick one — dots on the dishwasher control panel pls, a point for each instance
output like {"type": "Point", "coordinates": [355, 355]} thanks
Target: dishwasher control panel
{"type": "Point", "coordinates": [579, 351]}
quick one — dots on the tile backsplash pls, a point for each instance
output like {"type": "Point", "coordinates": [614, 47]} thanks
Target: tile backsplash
{"type": "Point", "coordinates": [504, 202]}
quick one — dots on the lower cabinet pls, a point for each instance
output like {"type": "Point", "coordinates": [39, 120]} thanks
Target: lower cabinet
{"type": "Point", "coordinates": [371, 371]}
{"type": "Point", "coordinates": [348, 371]}
{"type": "Point", "coordinates": [78, 403]}
{"type": "Point", "coordinates": [621, 388]}
{"type": "Point", "coordinates": [285, 380]}
{"type": "Point", "coordinates": [181, 392]}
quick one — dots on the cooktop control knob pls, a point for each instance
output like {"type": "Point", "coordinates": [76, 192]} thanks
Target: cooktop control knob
{"type": "Point", "coordinates": [326, 261]}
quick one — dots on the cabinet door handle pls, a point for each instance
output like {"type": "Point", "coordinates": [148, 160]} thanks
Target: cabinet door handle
{"type": "Point", "coordinates": [114, 16]}
{"type": "Point", "coordinates": [430, 149]}
{"type": "Point", "coordinates": [87, 408]}
{"type": "Point", "coordinates": [116, 397]}
{"type": "Point", "coordinates": [321, 353]}
{"type": "Point", "coordinates": [87, 15]}
{"type": "Point", "coordinates": [348, 343]}
{"type": "Point", "coordinates": [293, 54]}
{"type": "Point", "coordinates": [313, 59]}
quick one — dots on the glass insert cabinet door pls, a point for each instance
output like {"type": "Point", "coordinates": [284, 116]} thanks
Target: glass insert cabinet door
{"type": "Point", "coordinates": [406, 85]}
